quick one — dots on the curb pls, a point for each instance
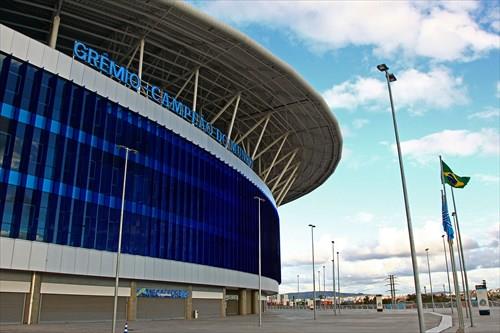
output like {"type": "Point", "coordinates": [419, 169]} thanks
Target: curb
{"type": "Point", "coordinates": [443, 325]}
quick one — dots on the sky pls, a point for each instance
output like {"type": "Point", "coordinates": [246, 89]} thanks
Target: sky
{"type": "Point", "coordinates": [446, 58]}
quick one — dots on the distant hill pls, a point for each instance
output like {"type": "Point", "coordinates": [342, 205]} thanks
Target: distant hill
{"type": "Point", "coordinates": [322, 294]}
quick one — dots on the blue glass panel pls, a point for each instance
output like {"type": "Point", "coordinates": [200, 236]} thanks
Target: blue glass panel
{"type": "Point", "coordinates": [61, 179]}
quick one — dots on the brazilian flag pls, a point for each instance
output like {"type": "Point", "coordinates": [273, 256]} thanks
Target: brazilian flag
{"type": "Point", "coordinates": [453, 179]}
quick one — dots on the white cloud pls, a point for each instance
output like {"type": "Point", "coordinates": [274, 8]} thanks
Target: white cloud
{"type": "Point", "coordinates": [443, 31]}
{"type": "Point", "coordinates": [452, 143]}
{"type": "Point", "coordinates": [364, 217]}
{"type": "Point", "coordinates": [489, 112]}
{"type": "Point", "coordinates": [488, 179]}
{"type": "Point", "coordinates": [389, 253]}
{"type": "Point", "coordinates": [415, 90]}
{"type": "Point", "coordinates": [360, 123]}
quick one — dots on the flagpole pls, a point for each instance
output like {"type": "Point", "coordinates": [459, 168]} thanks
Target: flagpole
{"type": "Point", "coordinates": [458, 299]}
{"type": "Point", "coordinates": [447, 274]}
{"type": "Point", "coordinates": [460, 265]}
{"type": "Point", "coordinates": [461, 253]}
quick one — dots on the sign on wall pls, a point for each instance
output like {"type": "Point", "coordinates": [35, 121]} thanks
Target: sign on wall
{"type": "Point", "coordinates": [109, 67]}
{"type": "Point", "coordinates": [162, 293]}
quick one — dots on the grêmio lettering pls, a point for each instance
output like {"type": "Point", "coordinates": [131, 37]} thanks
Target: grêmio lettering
{"type": "Point", "coordinates": [110, 68]}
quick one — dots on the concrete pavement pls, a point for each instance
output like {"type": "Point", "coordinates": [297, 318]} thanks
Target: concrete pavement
{"type": "Point", "coordinates": [278, 321]}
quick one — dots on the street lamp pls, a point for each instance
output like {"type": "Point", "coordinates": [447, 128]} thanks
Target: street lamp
{"type": "Point", "coordinates": [338, 279]}
{"type": "Point", "coordinates": [118, 254]}
{"type": "Point", "coordinates": [430, 280]}
{"type": "Point", "coordinates": [259, 199]}
{"type": "Point", "coordinates": [447, 272]}
{"type": "Point", "coordinates": [391, 78]}
{"type": "Point", "coordinates": [298, 289]}
{"type": "Point", "coordinates": [333, 279]}
{"type": "Point", "coordinates": [324, 280]}
{"type": "Point", "coordinates": [314, 273]}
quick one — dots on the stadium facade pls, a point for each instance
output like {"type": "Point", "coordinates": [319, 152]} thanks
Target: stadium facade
{"type": "Point", "coordinates": [216, 121]}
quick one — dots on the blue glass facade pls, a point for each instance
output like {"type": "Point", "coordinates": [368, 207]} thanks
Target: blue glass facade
{"type": "Point", "coordinates": [61, 176]}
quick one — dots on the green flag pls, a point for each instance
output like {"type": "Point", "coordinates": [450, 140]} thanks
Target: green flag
{"type": "Point", "coordinates": [453, 179]}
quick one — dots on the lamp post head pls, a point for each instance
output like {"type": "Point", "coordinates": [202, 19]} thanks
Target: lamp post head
{"type": "Point", "coordinates": [312, 226]}
{"type": "Point", "coordinates": [427, 249]}
{"type": "Point", "coordinates": [392, 77]}
{"type": "Point", "coordinates": [259, 198]}
{"type": "Point", "coordinates": [442, 236]}
{"type": "Point", "coordinates": [333, 242]}
{"type": "Point", "coordinates": [382, 67]}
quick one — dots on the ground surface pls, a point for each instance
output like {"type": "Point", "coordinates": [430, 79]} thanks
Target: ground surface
{"type": "Point", "coordinates": [277, 321]}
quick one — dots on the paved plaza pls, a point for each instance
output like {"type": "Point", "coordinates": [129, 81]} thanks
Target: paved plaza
{"type": "Point", "coordinates": [276, 321]}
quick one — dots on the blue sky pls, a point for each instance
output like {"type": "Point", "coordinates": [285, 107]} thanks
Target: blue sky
{"type": "Point", "coordinates": [446, 58]}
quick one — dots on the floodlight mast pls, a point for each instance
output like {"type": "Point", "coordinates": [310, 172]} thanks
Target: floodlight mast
{"type": "Point", "coordinates": [392, 78]}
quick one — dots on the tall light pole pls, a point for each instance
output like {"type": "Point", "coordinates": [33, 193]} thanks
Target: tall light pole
{"type": "Point", "coordinates": [319, 283]}
{"type": "Point", "coordinates": [338, 278]}
{"type": "Point", "coordinates": [333, 279]}
{"type": "Point", "coordinates": [447, 272]}
{"type": "Point", "coordinates": [298, 289]}
{"type": "Point", "coordinates": [391, 78]}
{"type": "Point", "coordinates": [120, 232]}
{"type": "Point", "coordinates": [260, 200]}
{"type": "Point", "coordinates": [430, 279]}
{"type": "Point", "coordinates": [324, 280]}
{"type": "Point", "coordinates": [314, 272]}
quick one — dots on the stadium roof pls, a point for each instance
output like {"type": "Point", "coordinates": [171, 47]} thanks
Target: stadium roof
{"type": "Point", "coordinates": [300, 143]}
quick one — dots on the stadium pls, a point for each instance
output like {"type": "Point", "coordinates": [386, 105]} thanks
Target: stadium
{"type": "Point", "coordinates": [201, 123]}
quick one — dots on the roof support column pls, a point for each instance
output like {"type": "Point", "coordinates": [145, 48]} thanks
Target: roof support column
{"type": "Point", "coordinates": [54, 31]}
{"type": "Point", "coordinates": [232, 120]}
{"type": "Point", "coordinates": [286, 191]}
{"type": "Point", "coordinates": [222, 110]}
{"type": "Point", "coordinates": [284, 170]}
{"type": "Point", "coordinates": [280, 194]}
{"type": "Point", "coordinates": [260, 137]}
{"type": "Point", "coordinates": [275, 158]}
{"type": "Point", "coordinates": [195, 93]}
{"type": "Point", "coordinates": [141, 57]}
{"type": "Point", "coordinates": [272, 144]}
{"type": "Point", "coordinates": [250, 130]}
{"type": "Point", "coordinates": [184, 85]}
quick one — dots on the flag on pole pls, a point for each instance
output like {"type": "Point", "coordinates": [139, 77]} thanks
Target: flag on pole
{"type": "Point", "coordinates": [451, 178]}
{"type": "Point", "coordinates": [446, 219]}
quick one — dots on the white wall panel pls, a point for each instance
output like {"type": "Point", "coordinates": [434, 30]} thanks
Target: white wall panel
{"type": "Point", "coordinates": [68, 259]}
{"type": "Point", "coordinates": [6, 36]}
{"type": "Point", "coordinates": [139, 268]}
{"type": "Point", "coordinates": [54, 255]}
{"type": "Point", "coordinates": [107, 263]}
{"type": "Point", "coordinates": [127, 263]}
{"type": "Point", "coordinates": [21, 254]}
{"type": "Point", "coordinates": [38, 259]}
{"type": "Point", "coordinates": [100, 84]}
{"type": "Point", "coordinates": [76, 74]}
{"type": "Point", "coordinates": [50, 58]}
{"type": "Point", "coordinates": [89, 76]}
{"type": "Point", "coordinates": [149, 271]}
{"type": "Point", "coordinates": [101, 263]}
{"type": "Point", "coordinates": [20, 46]}
{"type": "Point", "coordinates": [6, 251]}
{"type": "Point", "coordinates": [82, 261]}
{"type": "Point", "coordinates": [35, 52]}
{"type": "Point", "coordinates": [94, 262]}
{"type": "Point", "coordinates": [64, 64]}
